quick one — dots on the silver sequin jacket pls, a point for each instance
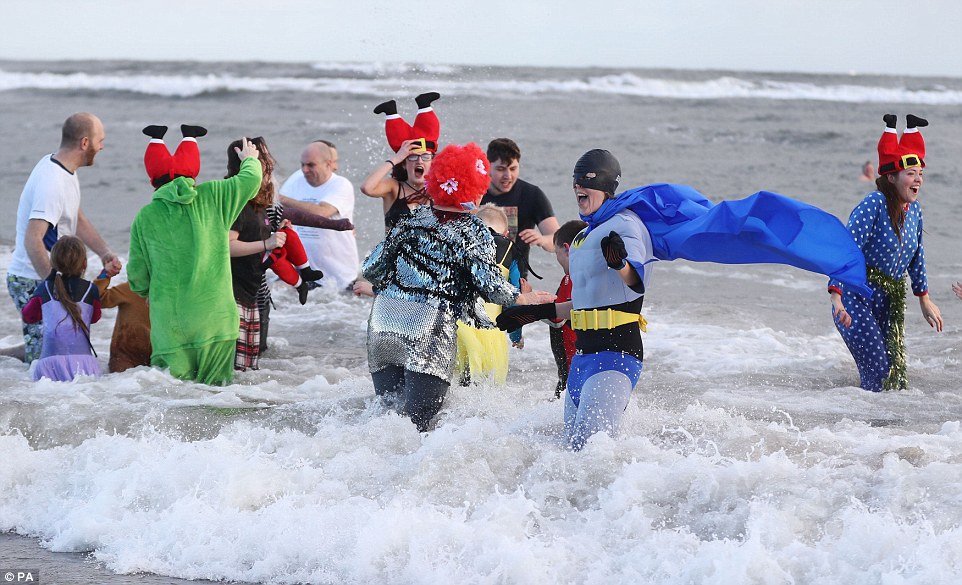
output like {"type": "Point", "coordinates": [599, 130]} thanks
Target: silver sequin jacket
{"type": "Point", "coordinates": [427, 274]}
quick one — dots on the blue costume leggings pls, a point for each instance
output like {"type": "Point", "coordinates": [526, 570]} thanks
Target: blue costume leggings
{"type": "Point", "coordinates": [599, 385]}
{"type": "Point", "coordinates": [866, 337]}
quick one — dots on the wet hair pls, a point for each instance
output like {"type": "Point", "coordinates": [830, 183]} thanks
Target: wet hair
{"type": "Point", "coordinates": [76, 128]}
{"type": "Point", "coordinates": [399, 173]}
{"type": "Point", "coordinates": [567, 232]}
{"type": "Point", "coordinates": [493, 216]}
{"type": "Point", "coordinates": [503, 149]}
{"type": "Point", "coordinates": [68, 258]}
{"type": "Point", "coordinates": [326, 143]}
{"type": "Point", "coordinates": [265, 196]}
{"type": "Point", "coordinates": [894, 206]}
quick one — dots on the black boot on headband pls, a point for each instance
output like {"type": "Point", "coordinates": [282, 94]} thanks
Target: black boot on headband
{"type": "Point", "coordinates": [424, 100]}
{"type": "Point", "coordinates": [389, 107]}
{"type": "Point", "coordinates": [913, 121]}
{"type": "Point", "coordinates": [156, 132]}
{"type": "Point", "coordinates": [192, 131]}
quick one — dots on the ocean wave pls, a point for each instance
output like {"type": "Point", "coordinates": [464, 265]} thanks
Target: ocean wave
{"type": "Point", "coordinates": [397, 80]}
{"type": "Point", "coordinates": [381, 68]}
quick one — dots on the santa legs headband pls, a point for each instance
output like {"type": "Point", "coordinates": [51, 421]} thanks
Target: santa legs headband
{"type": "Point", "coordinates": [426, 124]}
{"type": "Point", "coordinates": [895, 154]}
{"type": "Point", "coordinates": [163, 167]}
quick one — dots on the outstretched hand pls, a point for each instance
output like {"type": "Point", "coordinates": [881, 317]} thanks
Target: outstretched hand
{"type": "Point", "coordinates": [613, 248]}
{"type": "Point", "coordinates": [517, 316]}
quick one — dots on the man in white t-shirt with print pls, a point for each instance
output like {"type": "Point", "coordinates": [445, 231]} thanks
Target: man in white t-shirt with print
{"type": "Point", "coordinates": [49, 209]}
{"type": "Point", "coordinates": [317, 188]}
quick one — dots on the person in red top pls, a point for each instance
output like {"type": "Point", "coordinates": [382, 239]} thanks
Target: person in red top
{"type": "Point", "coordinates": [561, 335]}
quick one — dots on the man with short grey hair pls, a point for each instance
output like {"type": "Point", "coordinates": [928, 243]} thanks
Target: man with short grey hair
{"type": "Point", "coordinates": [317, 188]}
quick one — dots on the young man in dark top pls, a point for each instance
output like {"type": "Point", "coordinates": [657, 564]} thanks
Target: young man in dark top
{"type": "Point", "coordinates": [531, 220]}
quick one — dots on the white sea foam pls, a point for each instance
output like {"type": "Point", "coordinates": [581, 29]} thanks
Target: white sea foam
{"type": "Point", "coordinates": [296, 475]}
{"type": "Point", "coordinates": [746, 454]}
{"type": "Point", "coordinates": [394, 80]}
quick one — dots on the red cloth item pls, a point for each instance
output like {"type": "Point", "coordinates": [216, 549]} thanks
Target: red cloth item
{"type": "Point", "coordinates": [285, 261]}
{"type": "Point", "coordinates": [162, 167]}
{"type": "Point", "coordinates": [567, 333]}
{"type": "Point", "coordinates": [32, 312]}
{"type": "Point", "coordinates": [426, 126]}
{"type": "Point", "coordinates": [896, 154]}
{"type": "Point", "coordinates": [459, 176]}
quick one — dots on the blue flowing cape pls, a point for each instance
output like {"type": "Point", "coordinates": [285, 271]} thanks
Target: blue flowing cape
{"type": "Point", "coordinates": [764, 228]}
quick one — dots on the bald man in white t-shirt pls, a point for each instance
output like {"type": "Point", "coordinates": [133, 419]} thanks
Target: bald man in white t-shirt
{"type": "Point", "coordinates": [317, 188]}
{"type": "Point", "coordinates": [50, 209]}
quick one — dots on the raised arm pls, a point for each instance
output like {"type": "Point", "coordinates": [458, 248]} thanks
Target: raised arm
{"type": "Point", "coordinates": [379, 184]}
{"type": "Point", "coordinates": [307, 219]}
{"type": "Point", "coordinates": [325, 210]}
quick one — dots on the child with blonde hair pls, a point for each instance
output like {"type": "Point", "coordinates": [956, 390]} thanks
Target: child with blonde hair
{"type": "Point", "coordinates": [485, 351]}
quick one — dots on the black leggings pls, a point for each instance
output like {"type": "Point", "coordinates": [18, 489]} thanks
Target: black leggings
{"type": "Point", "coordinates": [420, 395]}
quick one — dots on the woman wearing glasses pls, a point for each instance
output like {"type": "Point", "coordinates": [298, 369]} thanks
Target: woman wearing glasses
{"type": "Point", "coordinates": [887, 226]}
{"type": "Point", "coordinates": [403, 189]}
{"type": "Point", "coordinates": [399, 180]}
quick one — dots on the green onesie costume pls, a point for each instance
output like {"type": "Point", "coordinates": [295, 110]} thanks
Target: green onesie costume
{"type": "Point", "coordinates": [180, 262]}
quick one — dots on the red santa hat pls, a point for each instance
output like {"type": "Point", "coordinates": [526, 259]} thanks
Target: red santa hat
{"type": "Point", "coordinates": [426, 125]}
{"type": "Point", "coordinates": [161, 166]}
{"type": "Point", "coordinates": [458, 177]}
{"type": "Point", "coordinates": [896, 154]}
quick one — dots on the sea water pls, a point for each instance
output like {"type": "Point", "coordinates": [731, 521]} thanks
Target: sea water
{"type": "Point", "coordinates": [747, 453]}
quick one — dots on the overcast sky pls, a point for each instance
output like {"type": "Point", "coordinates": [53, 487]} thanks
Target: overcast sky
{"type": "Point", "coordinates": [916, 37]}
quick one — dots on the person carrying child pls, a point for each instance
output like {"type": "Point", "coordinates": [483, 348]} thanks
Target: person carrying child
{"type": "Point", "coordinates": [67, 304]}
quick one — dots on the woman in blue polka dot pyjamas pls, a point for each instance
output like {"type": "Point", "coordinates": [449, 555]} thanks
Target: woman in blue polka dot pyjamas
{"type": "Point", "coordinates": [887, 226]}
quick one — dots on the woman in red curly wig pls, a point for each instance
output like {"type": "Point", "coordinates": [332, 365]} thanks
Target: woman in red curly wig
{"type": "Point", "coordinates": [427, 274]}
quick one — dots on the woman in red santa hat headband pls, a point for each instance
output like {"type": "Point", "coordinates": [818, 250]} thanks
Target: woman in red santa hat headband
{"type": "Point", "coordinates": [399, 180]}
{"type": "Point", "coordinates": [887, 226]}
{"type": "Point", "coordinates": [428, 273]}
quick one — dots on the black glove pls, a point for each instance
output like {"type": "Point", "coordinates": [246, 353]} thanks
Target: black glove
{"type": "Point", "coordinates": [514, 317]}
{"type": "Point", "coordinates": [613, 247]}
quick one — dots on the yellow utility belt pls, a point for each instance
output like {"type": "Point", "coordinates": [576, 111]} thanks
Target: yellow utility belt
{"type": "Point", "coordinates": [594, 319]}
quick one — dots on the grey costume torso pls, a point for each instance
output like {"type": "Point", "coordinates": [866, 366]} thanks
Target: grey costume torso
{"type": "Point", "coordinates": [593, 285]}
{"type": "Point", "coordinates": [427, 274]}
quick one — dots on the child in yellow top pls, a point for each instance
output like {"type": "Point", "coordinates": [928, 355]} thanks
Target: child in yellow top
{"type": "Point", "coordinates": [484, 352]}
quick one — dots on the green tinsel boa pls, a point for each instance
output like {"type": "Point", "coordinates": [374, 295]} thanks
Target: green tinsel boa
{"type": "Point", "coordinates": [894, 288]}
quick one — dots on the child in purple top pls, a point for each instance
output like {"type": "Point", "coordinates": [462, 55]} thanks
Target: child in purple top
{"type": "Point", "coordinates": [68, 305]}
